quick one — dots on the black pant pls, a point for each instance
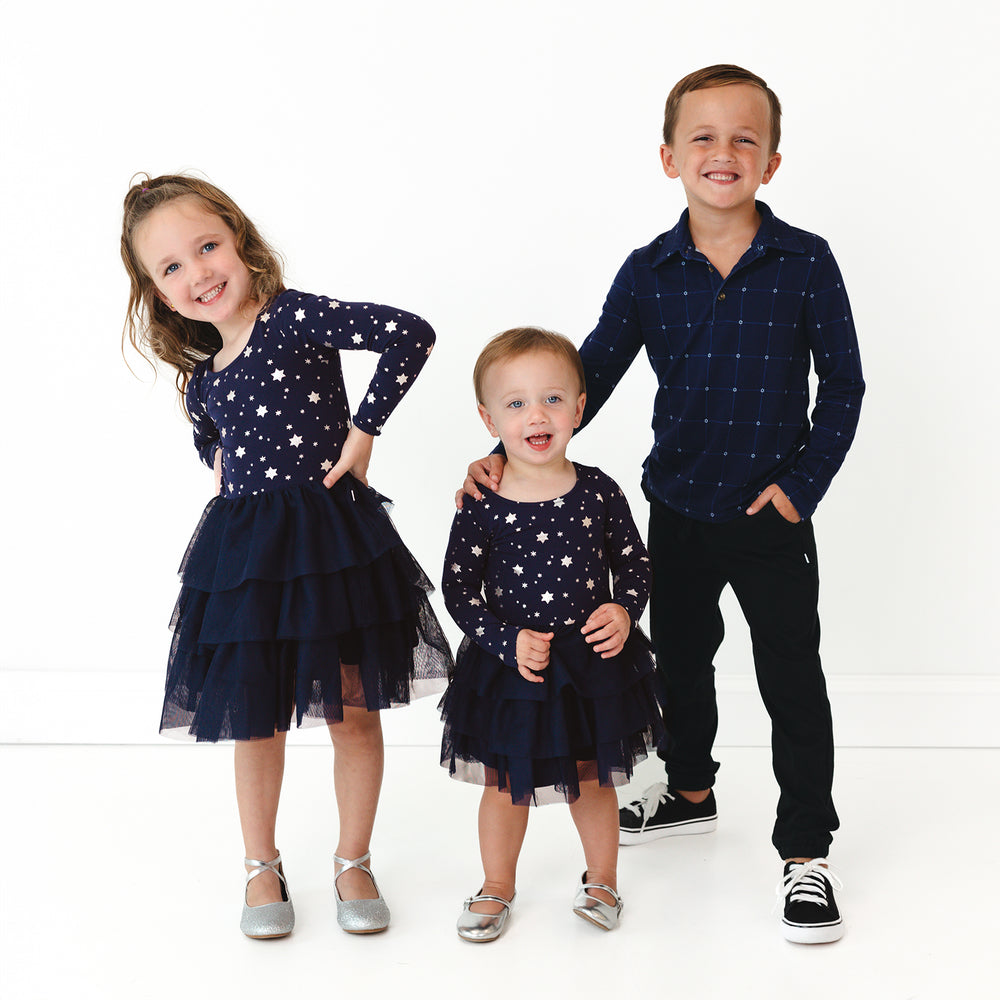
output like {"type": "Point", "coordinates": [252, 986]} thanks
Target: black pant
{"type": "Point", "coordinates": [771, 566]}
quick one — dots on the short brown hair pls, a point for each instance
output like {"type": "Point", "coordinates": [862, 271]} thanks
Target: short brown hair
{"type": "Point", "coordinates": [718, 76]}
{"type": "Point", "coordinates": [152, 329]}
{"type": "Point", "coordinates": [524, 340]}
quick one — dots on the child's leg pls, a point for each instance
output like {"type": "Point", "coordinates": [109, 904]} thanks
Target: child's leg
{"type": "Point", "coordinates": [595, 814]}
{"type": "Point", "coordinates": [357, 779]}
{"type": "Point", "coordinates": [260, 765]}
{"type": "Point", "coordinates": [501, 832]}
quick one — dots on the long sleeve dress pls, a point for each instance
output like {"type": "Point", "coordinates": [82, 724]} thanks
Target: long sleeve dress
{"type": "Point", "coordinates": [546, 566]}
{"type": "Point", "coordinates": [297, 599]}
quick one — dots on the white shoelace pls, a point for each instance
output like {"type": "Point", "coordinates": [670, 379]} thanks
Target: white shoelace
{"type": "Point", "coordinates": [805, 883]}
{"type": "Point", "coordinates": [651, 800]}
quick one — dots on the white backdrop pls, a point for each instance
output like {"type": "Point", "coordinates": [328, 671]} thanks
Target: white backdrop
{"type": "Point", "coordinates": [487, 165]}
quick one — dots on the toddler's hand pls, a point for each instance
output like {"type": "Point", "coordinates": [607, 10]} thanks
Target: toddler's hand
{"type": "Point", "coordinates": [774, 494]}
{"type": "Point", "coordinates": [532, 653]}
{"type": "Point", "coordinates": [485, 472]}
{"type": "Point", "coordinates": [608, 626]}
{"type": "Point", "coordinates": [354, 458]}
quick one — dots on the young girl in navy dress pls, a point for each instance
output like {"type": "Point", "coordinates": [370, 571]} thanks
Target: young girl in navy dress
{"type": "Point", "coordinates": [552, 696]}
{"type": "Point", "coordinates": [297, 594]}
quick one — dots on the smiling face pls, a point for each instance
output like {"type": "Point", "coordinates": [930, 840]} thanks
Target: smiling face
{"type": "Point", "coordinates": [721, 146]}
{"type": "Point", "coordinates": [533, 402]}
{"type": "Point", "coordinates": [190, 254]}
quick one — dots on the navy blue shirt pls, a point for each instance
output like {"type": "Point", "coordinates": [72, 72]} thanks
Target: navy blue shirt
{"type": "Point", "coordinates": [732, 357]}
{"type": "Point", "coordinates": [279, 411]}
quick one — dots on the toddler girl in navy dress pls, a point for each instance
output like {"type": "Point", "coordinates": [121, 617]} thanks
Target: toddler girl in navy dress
{"type": "Point", "coordinates": [298, 597]}
{"type": "Point", "coordinates": [552, 695]}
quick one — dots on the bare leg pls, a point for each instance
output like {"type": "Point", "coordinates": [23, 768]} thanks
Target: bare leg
{"type": "Point", "coordinates": [502, 826]}
{"type": "Point", "coordinates": [595, 814]}
{"type": "Point", "coordinates": [260, 765]}
{"type": "Point", "coordinates": [357, 779]}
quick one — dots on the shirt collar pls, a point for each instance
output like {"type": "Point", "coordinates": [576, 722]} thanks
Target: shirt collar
{"type": "Point", "coordinates": [772, 232]}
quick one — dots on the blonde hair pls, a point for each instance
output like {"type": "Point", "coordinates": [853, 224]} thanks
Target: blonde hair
{"type": "Point", "coordinates": [153, 330]}
{"type": "Point", "coordinates": [721, 75]}
{"type": "Point", "coordinates": [523, 340]}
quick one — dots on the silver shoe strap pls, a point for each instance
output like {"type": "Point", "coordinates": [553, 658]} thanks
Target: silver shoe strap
{"type": "Point", "coordinates": [259, 867]}
{"type": "Point", "coordinates": [355, 863]}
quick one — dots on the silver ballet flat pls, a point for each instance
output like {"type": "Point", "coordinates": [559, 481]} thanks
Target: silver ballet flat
{"type": "Point", "coordinates": [483, 926]}
{"type": "Point", "coordinates": [272, 920]}
{"type": "Point", "coordinates": [360, 916]}
{"type": "Point", "coordinates": [596, 910]}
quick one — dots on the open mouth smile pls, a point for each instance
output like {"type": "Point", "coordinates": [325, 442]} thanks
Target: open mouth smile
{"type": "Point", "coordinates": [721, 177]}
{"type": "Point", "coordinates": [539, 442]}
{"type": "Point", "coordinates": [212, 294]}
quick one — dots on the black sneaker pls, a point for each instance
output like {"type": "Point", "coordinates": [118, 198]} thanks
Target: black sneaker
{"type": "Point", "coordinates": [811, 915]}
{"type": "Point", "coordinates": [661, 813]}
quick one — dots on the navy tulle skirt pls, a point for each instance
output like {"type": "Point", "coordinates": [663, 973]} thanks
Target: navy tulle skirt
{"type": "Point", "coordinates": [298, 601]}
{"type": "Point", "coordinates": [590, 719]}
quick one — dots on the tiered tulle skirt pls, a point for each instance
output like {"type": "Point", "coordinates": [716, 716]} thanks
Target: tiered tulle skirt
{"type": "Point", "coordinates": [298, 602]}
{"type": "Point", "coordinates": [589, 719]}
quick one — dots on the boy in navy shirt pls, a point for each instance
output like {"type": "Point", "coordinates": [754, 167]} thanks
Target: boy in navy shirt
{"type": "Point", "coordinates": [731, 305]}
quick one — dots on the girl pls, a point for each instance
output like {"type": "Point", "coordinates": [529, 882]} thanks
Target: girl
{"type": "Point", "coordinates": [552, 695]}
{"type": "Point", "coordinates": [297, 593]}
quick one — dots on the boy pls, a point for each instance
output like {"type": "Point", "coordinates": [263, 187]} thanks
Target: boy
{"type": "Point", "coordinates": [730, 306]}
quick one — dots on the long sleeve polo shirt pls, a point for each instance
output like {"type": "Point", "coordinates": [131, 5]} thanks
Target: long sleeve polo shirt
{"type": "Point", "coordinates": [732, 359]}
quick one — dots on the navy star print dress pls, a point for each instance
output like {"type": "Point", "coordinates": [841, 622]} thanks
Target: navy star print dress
{"type": "Point", "coordinates": [546, 566]}
{"type": "Point", "coordinates": [296, 598]}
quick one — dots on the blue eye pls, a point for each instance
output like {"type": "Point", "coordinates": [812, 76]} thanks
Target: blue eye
{"type": "Point", "coordinates": [515, 404]}
{"type": "Point", "coordinates": [171, 268]}
{"type": "Point", "coordinates": [209, 247]}
{"type": "Point", "coordinates": [553, 399]}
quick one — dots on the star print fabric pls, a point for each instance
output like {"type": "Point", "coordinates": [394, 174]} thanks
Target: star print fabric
{"type": "Point", "coordinates": [297, 600]}
{"type": "Point", "coordinates": [279, 411]}
{"type": "Point", "coordinates": [546, 566]}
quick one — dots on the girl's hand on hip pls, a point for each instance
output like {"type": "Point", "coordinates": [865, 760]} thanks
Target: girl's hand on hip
{"type": "Point", "coordinates": [608, 627]}
{"type": "Point", "coordinates": [354, 458]}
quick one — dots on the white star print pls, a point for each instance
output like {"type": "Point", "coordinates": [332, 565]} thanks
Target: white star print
{"type": "Point", "coordinates": [627, 550]}
{"type": "Point", "coordinates": [264, 317]}
{"type": "Point", "coordinates": [547, 597]}
{"type": "Point", "coordinates": [300, 315]}
{"type": "Point", "coordinates": [590, 585]}
{"type": "Point", "coordinates": [271, 473]}
{"type": "Point", "coordinates": [277, 374]}
{"type": "Point", "coordinates": [476, 550]}
{"type": "Point", "coordinates": [510, 518]}
{"type": "Point", "coordinates": [558, 502]}
{"type": "Point", "coordinates": [586, 522]}
{"type": "Point", "coordinates": [391, 326]}
{"type": "Point", "coordinates": [295, 441]}
{"type": "Point", "coordinates": [518, 570]}
{"type": "Point", "coordinates": [313, 397]}
{"type": "Point", "coordinates": [566, 560]}
{"type": "Point", "coordinates": [241, 451]}
{"type": "Point", "coordinates": [357, 338]}
{"type": "Point", "coordinates": [326, 465]}
{"type": "Point", "coordinates": [402, 379]}
{"type": "Point", "coordinates": [542, 536]}
{"type": "Point", "coordinates": [231, 396]}
{"type": "Point", "coordinates": [455, 568]}
{"type": "Point", "coordinates": [261, 411]}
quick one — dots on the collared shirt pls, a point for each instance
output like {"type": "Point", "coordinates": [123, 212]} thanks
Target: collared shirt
{"type": "Point", "coordinates": [732, 357]}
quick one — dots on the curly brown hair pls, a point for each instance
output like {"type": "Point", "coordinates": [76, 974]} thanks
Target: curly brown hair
{"type": "Point", "coordinates": [153, 330]}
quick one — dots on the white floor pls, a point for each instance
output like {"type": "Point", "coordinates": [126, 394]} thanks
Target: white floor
{"type": "Point", "coordinates": [122, 879]}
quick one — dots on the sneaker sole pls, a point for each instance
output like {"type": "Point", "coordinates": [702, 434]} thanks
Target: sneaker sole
{"type": "Point", "coordinates": [812, 934]}
{"type": "Point", "coordinates": [628, 838]}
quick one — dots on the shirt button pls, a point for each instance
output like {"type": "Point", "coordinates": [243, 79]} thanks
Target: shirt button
{"type": "Point", "coordinates": [722, 296]}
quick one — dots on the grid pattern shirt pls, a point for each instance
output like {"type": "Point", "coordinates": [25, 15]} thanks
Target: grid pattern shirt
{"type": "Point", "coordinates": [732, 358]}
